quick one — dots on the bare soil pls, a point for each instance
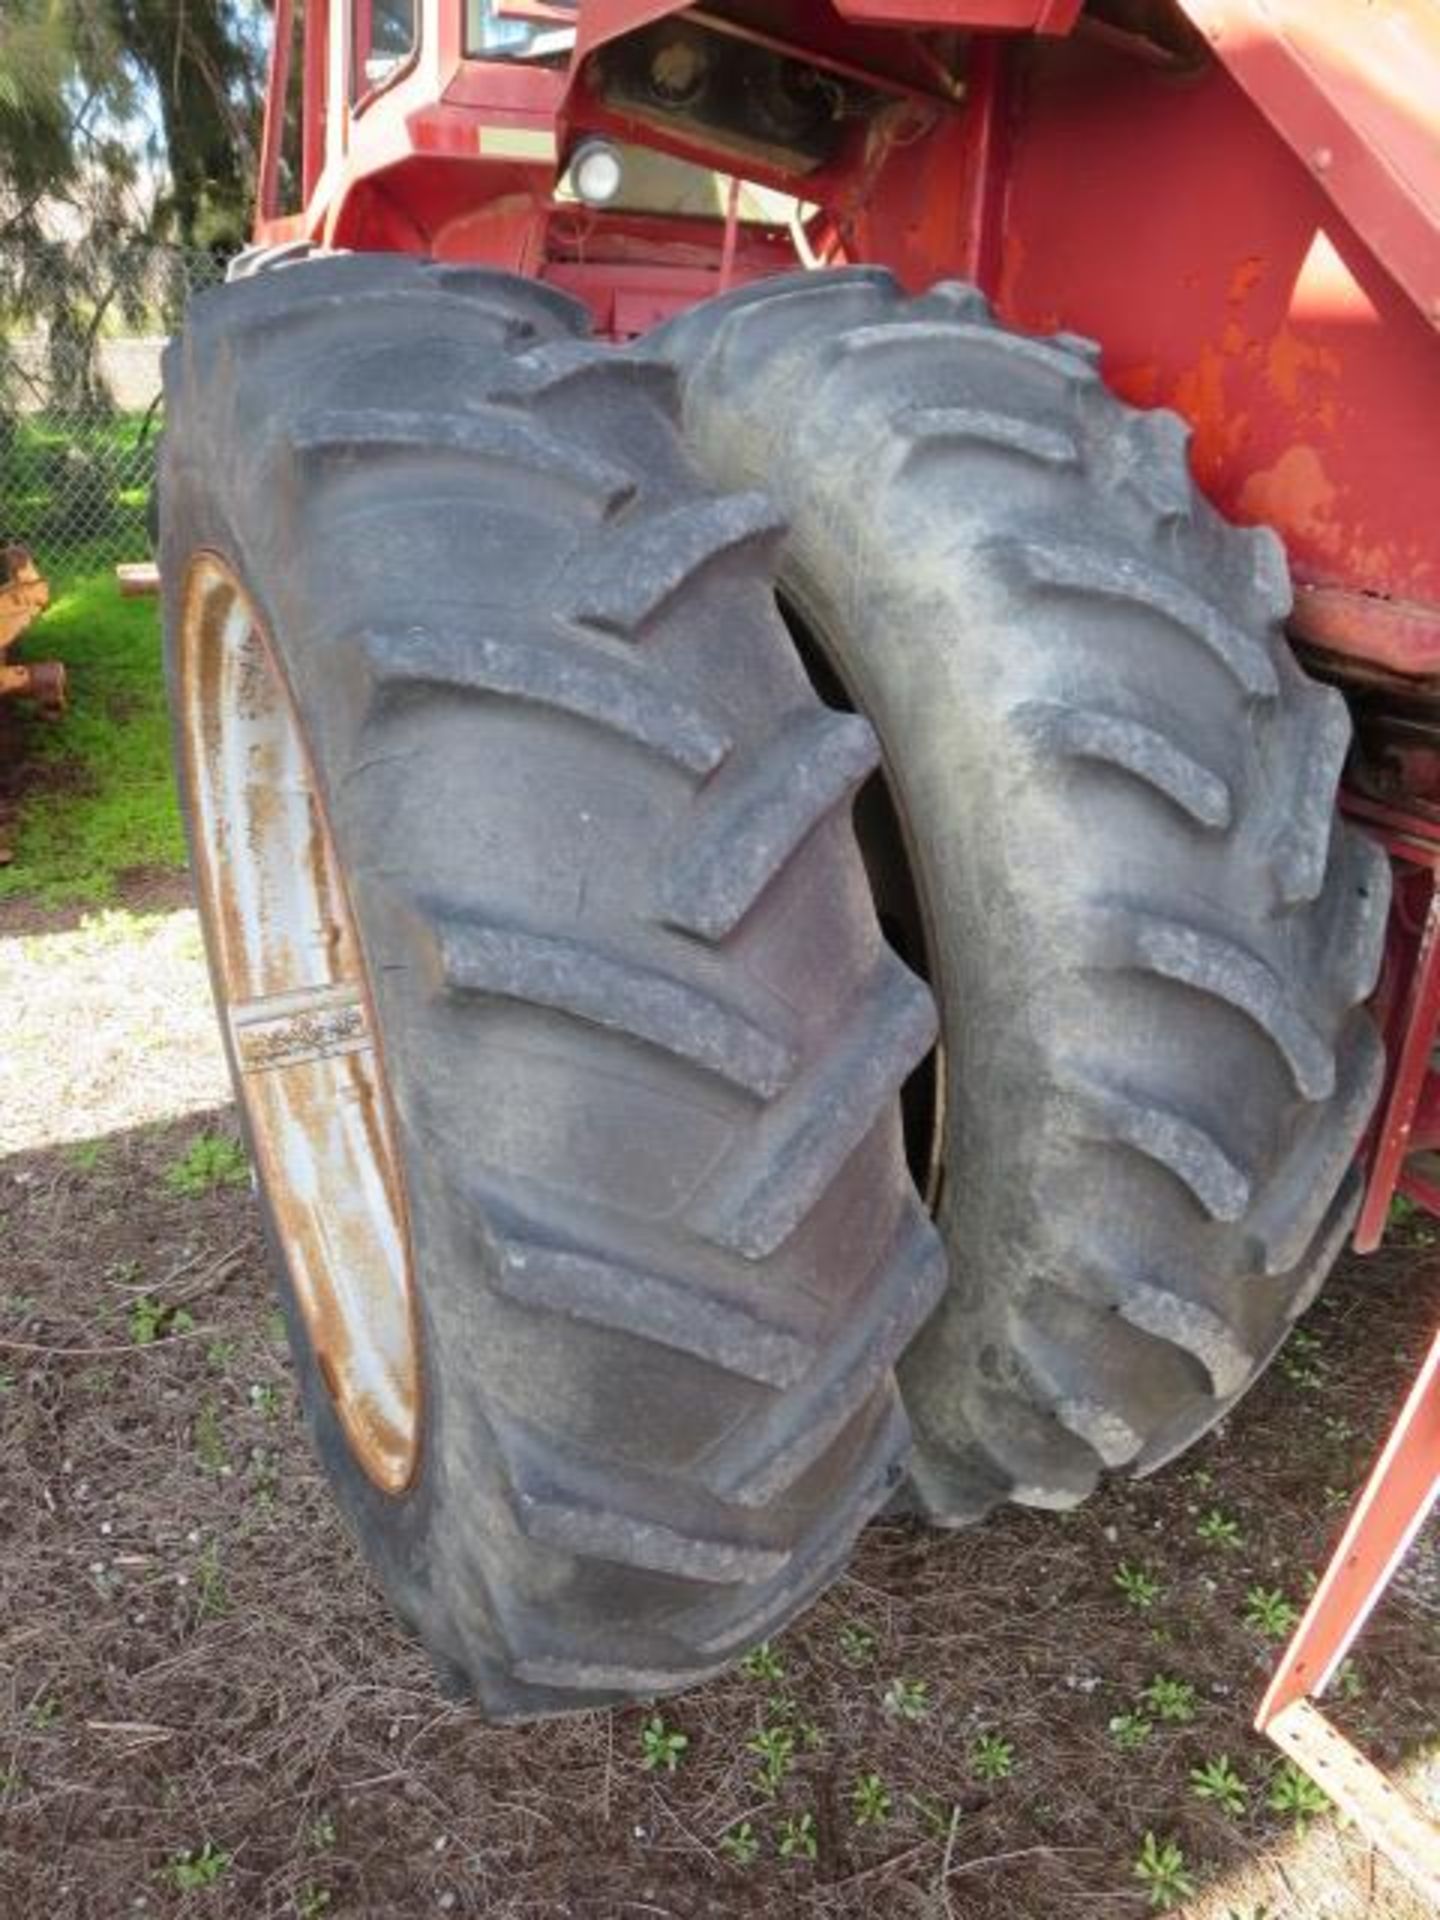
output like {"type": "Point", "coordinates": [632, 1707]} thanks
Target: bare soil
{"type": "Point", "coordinates": [191, 1652]}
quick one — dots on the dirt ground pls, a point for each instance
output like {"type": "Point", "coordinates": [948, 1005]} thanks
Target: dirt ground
{"type": "Point", "coordinates": [206, 1709]}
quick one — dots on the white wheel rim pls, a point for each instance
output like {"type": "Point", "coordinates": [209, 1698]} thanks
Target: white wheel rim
{"type": "Point", "coordinates": [297, 1006]}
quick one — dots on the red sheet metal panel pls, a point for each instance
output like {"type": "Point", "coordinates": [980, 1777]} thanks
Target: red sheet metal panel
{"type": "Point", "coordinates": [1157, 211]}
{"type": "Point", "coordinates": [1355, 90]}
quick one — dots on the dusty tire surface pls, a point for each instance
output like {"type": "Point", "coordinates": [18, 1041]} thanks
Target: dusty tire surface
{"type": "Point", "coordinates": [642, 1033]}
{"type": "Point", "coordinates": [1149, 931]}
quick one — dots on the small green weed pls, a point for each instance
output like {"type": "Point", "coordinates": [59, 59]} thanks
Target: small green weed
{"type": "Point", "coordinates": [1161, 1866]}
{"type": "Point", "coordinates": [191, 1872]}
{"type": "Point", "coordinates": [661, 1746]}
{"type": "Point", "coordinates": [1129, 1731]}
{"type": "Point", "coordinates": [1169, 1699]}
{"type": "Point", "coordinates": [85, 1155]}
{"type": "Point", "coordinates": [1218, 1529]}
{"type": "Point", "coordinates": [210, 1596]}
{"type": "Point", "coordinates": [264, 1399]}
{"type": "Point", "coordinates": [740, 1844]}
{"type": "Point", "coordinates": [774, 1747]}
{"type": "Point", "coordinates": [320, 1833]}
{"type": "Point", "coordinates": [1218, 1782]}
{"type": "Point", "coordinates": [1269, 1612]}
{"type": "Point", "coordinates": [870, 1801]}
{"type": "Point", "coordinates": [1141, 1591]}
{"type": "Point", "coordinates": [151, 1320]}
{"type": "Point", "coordinates": [1293, 1792]}
{"type": "Point", "coordinates": [311, 1901]}
{"type": "Point", "coordinates": [763, 1663]}
{"type": "Point", "coordinates": [1300, 1362]}
{"type": "Point", "coordinates": [209, 1441]}
{"type": "Point", "coordinates": [857, 1644]}
{"type": "Point", "coordinates": [992, 1758]}
{"type": "Point", "coordinates": [211, 1160]}
{"type": "Point", "coordinates": [907, 1699]}
{"type": "Point", "coordinates": [44, 1712]}
{"type": "Point", "coordinates": [798, 1840]}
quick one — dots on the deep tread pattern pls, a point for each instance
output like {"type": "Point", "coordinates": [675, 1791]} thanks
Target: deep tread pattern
{"type": "Point", "coordinates": [926, 428]}
{"type": "Point", "coordinates": [1302, 852]}
{"type": "Point", "coordinates": [637, 576]}
{"type": "Point", "coordinates": [805, 1139]}
{"type": "Point", "coordinates": [757, 819]}
{"type": "Point", "coordinates": [808, 1573]}
{"type": "Point", "coordinates": [1105, 1390]}
{"type": "Point", "coordinates": [826, 1400]}
{"type": "Point", "coordinates": [651, 1306]}
{"type": "Point", "coordinates": [652, 1169]}
{"type": "Point", "coordinates": [1071, 565]}
{"type": "Point", "coordinates": [557, 1501]}
{"type": "Point", "coordinates": [1189, 1152]}
{"type": "Point", "coordinates": [565, 369]}
{"type": "Point", "coordinates": [1226, 971]}
{"type": "Point", "coordinates": [1089, 733]}
{"type": "Point", "coordinates": [1152, 930]}
{"type": "Point", "coordinates": [1016, 349]}
{"type": "Point", "coordinates": [1090, 351]}
{"type": "Point", "coordinates": [1160, 476]}
{"type": "Point", "coordinates": [578, 979]}
{"type": "Point", "coordinates": [1270, 581]}
{"type": "Point", "coordinates": [1289, 1217]}
{"type": "Point", "coordinates": [615, 694]}
{"type": "Point", "coordinates": [1191, 1326]}
{"type": "Point", "coordinates": [495, 436]}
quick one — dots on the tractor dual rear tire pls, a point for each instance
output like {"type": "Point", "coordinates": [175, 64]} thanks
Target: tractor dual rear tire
{"type": "Point", "coordinates": [641, 1033]}
{"type": "Point", "coordinates": [1148, 930]}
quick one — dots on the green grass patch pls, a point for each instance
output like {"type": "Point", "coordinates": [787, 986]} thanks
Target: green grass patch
{"type": "Point", "coordinates": [104, 797]}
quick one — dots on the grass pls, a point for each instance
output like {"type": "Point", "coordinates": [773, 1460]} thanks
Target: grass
{"type": "Point", "coordinates": [100, 798]}
{"type": "Point", "coordinates": [211, 1160]}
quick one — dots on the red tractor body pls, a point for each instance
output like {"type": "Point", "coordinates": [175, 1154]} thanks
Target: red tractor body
{"type": "Point", "coordinates": [1240, 202]}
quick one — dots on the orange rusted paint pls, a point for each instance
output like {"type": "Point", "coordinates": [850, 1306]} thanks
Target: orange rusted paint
{"type": "Point", "coordinates": [24, 596]}
{"type": "Point", "coordinates": [296, 1004]}
{"type": "Point", "coordinates": [1166, 219]}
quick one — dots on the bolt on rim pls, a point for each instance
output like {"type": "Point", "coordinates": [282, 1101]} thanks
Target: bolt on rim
{"type": "Point", "coordinates": [297, 1007]}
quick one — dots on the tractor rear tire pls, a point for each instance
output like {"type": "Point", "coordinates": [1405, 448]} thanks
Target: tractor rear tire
{"type": "Point", "coordinates": [1149, 931]}
{"type": "Point", "coordinates": [619, 1007]}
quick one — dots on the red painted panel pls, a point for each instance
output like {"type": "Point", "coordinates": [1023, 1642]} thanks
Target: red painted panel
{"type": "Point", "coordinates": [1355, 90]}
{"type": "Point", "coordinates": [1161, 214]}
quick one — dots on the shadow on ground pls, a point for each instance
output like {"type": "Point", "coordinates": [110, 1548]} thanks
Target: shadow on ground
{"type": "Point", "coordinates": [193, 1662]}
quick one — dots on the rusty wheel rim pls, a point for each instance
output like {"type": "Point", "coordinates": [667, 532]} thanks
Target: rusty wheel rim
{"type": "Point", "coordinates": [296, 1004]}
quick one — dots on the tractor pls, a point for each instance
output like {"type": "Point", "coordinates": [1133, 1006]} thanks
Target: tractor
{"type": "Point", "coordinates": [802, 640]}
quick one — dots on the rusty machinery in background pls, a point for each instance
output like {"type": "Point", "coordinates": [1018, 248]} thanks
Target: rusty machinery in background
{"type": "Point", "coordinates": [24, 596]}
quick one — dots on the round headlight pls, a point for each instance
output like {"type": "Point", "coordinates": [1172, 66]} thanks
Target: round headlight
{"type": "Point", "coordinates": [596, 172]}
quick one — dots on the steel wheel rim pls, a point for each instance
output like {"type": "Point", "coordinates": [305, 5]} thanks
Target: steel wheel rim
{"type": "Point", "coordinates": [296, 1005]}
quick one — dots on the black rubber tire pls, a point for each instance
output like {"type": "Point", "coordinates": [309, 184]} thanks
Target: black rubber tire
{"type": "Point", "coordinates": [642, 1032]}
{"type": "Point", "coordinates": [1149, 932]}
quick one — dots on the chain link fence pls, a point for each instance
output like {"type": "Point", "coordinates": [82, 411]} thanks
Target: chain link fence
{"type": "Point", "coordinates": [81, 333]}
